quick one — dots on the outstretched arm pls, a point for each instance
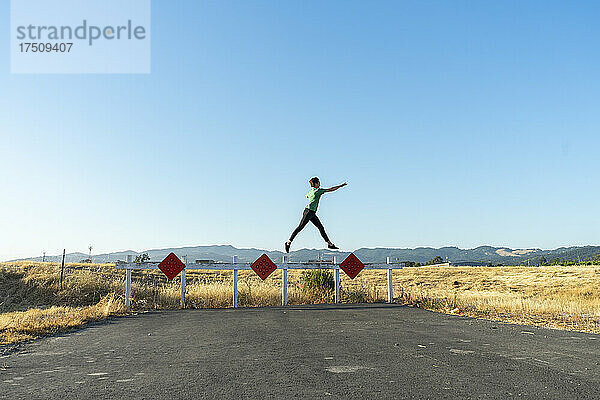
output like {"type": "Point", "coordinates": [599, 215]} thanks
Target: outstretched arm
{"type": "Point", "coordinates": [334, 188]}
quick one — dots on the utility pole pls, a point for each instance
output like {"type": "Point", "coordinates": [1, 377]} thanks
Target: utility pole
{"type": "Point", "coordinates": [62, 269]}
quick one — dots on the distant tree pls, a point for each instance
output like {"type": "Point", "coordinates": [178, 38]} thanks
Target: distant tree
{"type": "Point", "coordinates": [435, 260]}
{"type": "Point", "coordinates": [142, 258]}
{"type": "Point", "coordinates": [543, 261]}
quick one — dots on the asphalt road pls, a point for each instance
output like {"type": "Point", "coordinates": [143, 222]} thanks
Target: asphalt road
{"type": "Point", "coordinates": [353, 351]}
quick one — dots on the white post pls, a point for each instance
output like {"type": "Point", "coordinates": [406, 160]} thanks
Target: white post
{"type": "Point", "coordinates": [284, 282]}
{"type": "Point", "coordinates": [336, 273]}
{"type": "Point", "coordinates": [182, 300]}
{"type": "Point", "coordinates": [390, 285]}
{"type": "Point", "coordinates": [235, 292]}
{"type": "Point", "coordinates": [183, 288]}
{"type": "Point", "coordinates": [128, 287]}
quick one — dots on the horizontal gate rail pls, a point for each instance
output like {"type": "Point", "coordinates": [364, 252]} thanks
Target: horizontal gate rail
{"type": "Point", "coordinates": [246, 267]}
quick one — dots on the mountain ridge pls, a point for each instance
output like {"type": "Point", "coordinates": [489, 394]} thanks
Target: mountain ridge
{"type": "Point", "coordinates": [481, 255]}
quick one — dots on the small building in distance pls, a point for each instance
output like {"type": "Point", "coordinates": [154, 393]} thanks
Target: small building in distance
{"type": "Point", "coordinates": [469, 263]}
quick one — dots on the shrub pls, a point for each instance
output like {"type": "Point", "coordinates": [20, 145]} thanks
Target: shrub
{"type": "Point", "coordinates": [317, 280]}
{"type": "Point", "coordinates": [142, 258]}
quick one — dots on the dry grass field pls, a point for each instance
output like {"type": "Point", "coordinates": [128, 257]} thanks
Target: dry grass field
{"type": "Point", "coordinates": [32, 302]}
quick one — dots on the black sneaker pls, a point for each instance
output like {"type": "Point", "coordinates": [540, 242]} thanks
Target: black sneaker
{"type": "Point", "coordinates": [332, 247]}
{"type": "Point", "coordinates": [287, 247]}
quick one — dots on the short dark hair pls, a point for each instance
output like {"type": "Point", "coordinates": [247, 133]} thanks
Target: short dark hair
{"type": "Point", "coordinates": [314, 181]}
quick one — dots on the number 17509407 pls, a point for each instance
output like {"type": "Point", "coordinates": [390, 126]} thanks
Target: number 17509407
{"type": "Point", "coordinates": [45, 47]}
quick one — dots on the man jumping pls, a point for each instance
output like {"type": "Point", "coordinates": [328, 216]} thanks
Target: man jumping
{"type": "Point", "coordinates": [310, 212]}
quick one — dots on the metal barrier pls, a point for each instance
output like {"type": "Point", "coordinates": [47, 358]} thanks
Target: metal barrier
{"type": "Point", "coordinates": [235, 267]}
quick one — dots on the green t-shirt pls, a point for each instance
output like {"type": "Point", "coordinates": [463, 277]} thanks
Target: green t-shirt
{"type": "Point", "coordinates": [314, 195]}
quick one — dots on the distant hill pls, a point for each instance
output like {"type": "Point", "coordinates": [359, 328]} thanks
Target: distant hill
{"type": "Point", "coordinates": [482, 254]}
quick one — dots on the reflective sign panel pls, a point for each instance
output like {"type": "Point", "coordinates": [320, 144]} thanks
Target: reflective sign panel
{"type": "Point", "coordinates": [263, 266]}
{"type": "Point", "coordinates": [171, 266]}
{"type": "Point", "coordinates": [352, 266]}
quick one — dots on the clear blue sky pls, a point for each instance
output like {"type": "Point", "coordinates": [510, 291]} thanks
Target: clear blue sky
{"type": "Point", "coordinates": [454, 123]}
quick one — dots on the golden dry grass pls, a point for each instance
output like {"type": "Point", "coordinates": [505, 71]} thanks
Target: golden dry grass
{"type": "Point", "coordinates": [32, 303]}
{"type": "Point", "coordinates": [18, 326]}
{"type": "Point", "coordinates": [553, 296]}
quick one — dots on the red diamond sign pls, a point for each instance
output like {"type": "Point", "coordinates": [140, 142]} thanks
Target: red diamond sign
{"type": "Point", "coordinates": [352, 266]}
{"type": "Point", "coordinates": [171, 266]}
{"type": "Point", "coordinates": [263, 266]}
